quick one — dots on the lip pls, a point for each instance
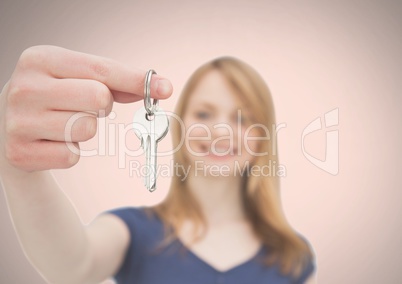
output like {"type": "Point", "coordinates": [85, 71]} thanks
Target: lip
{"type": "Point", "coordinates": [216, 157]}
{"type": "Point", "coordinates": [231, 153]}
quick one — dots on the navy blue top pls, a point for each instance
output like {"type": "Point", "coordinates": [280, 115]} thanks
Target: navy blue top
{"type": "Point", "coordinates": [169, 266]}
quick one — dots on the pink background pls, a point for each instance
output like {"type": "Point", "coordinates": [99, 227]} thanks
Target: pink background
{"type": "Point", "coordinates": [314, 55]}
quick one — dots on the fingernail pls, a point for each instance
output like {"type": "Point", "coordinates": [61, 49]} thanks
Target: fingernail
{"type": "Point", "coordinates": [164, 87]}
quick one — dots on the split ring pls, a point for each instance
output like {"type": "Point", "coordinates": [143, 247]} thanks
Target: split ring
{"type": "Point", "coordinates": [150, 108]}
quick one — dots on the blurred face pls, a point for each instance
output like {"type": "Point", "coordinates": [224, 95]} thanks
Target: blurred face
{"type": "Point", "coordinates": [219, 127]}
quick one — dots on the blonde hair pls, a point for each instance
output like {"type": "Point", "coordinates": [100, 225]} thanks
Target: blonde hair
{"type": "Point", "coordinates": [261, 194]}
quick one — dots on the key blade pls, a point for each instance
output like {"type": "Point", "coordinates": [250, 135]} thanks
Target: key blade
{"type": "Point", "coordinates": [152, 165]}
{"type": "Point", "coordinates": [144, 142]}
{"type": "Point", "coordinates": [147, 160]}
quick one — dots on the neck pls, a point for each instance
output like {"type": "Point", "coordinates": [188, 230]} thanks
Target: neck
{"type": "Point", "coordinates": [219, 197]}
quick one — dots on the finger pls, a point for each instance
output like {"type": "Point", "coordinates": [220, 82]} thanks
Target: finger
{"type": "Point", "coordinates": [65, 95]}
{"type": "Point", "coordinates": [43, 155]}
{"type": "Point", "coordinates": [76, 95]}
{"type": "Point", "coordinates": [123, 97]}
{"type": "Point", "coordinates": [58, 126]}
{"type": "Point", "coordinates": [63, 63]}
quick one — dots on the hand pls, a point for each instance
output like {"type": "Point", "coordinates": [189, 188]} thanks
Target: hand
{"type": "Point", "coordinates": [49, 85]}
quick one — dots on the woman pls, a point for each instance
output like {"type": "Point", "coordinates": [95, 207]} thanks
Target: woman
{"type": "Point", "coordinates": [220, 223]}
{"type": "Point", "coordinates": [224, 220]}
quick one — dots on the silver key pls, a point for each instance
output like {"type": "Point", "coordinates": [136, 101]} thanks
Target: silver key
{"type": "Point", "coordinates": [150, 129]}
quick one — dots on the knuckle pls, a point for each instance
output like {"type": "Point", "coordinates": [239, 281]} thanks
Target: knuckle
{"type": "Point", "coordinates": [90, 127]}
{"type": "Point", "coordinates": [68, 156]}
{"type": "Point", "coordinates": [86, 128]}
{"type": "Point", "coordinates": [32, 56]}
{"type": "Point", "coordinates": [71, 159]}
{"type": "Point", "coordinates": [13, 154]}
{"type": "Point", "coordinates": [12, 125]}
{"type": "Point", "coordinates": [102, 97]}
{"type": "Point", "coordinates": [18, 91]}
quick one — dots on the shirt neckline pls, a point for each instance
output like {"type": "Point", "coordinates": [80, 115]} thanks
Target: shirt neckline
{"type": "Point", "coordinates": [216, 270]}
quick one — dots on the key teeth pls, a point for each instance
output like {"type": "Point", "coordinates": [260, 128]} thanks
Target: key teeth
{"type": "Point", "coordinates": [153, 187]}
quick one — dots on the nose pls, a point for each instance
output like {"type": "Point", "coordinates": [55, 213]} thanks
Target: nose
{"type": "Point", "coordinates": [223, 127]}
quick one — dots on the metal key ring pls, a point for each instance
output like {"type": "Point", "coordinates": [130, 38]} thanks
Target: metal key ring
{"type": "Point", "coordinates": [147, 94]}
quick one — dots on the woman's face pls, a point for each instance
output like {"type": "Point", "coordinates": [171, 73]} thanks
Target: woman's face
{"type": "Point", "coordinates": [219, 128]}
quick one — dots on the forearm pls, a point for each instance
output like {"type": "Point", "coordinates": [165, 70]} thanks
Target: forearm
{"type": "Point", "coordinates": [48, 227]}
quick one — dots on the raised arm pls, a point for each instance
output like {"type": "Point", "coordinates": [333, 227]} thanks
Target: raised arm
{"type": "Point", "coordinates": [48, 86]}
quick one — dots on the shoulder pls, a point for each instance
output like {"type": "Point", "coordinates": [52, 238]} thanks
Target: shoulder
{"type": "Point", "coordinates": [310, 262]}
{"type": "Point", "coordinates": [307, 242]}
{"type": "Point", "coordinates": [142, 223]}
{"type": "Point", "coordinates": [133, 210]}
{"type": "Point", "coordinates": [134, 216]}
{"type": "Point", "coordinates": [127, 212]}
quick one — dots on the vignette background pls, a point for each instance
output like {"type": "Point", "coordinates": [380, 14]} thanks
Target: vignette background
{"type": "Point", "coordinates": [314, 55]}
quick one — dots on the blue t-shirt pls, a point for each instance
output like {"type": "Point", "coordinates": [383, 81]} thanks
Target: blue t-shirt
{"type": "Point", "coordinates": [170, 266]}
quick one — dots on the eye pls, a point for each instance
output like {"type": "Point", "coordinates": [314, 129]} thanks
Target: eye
{"type": "Point", "coordinates": [202, 114]}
